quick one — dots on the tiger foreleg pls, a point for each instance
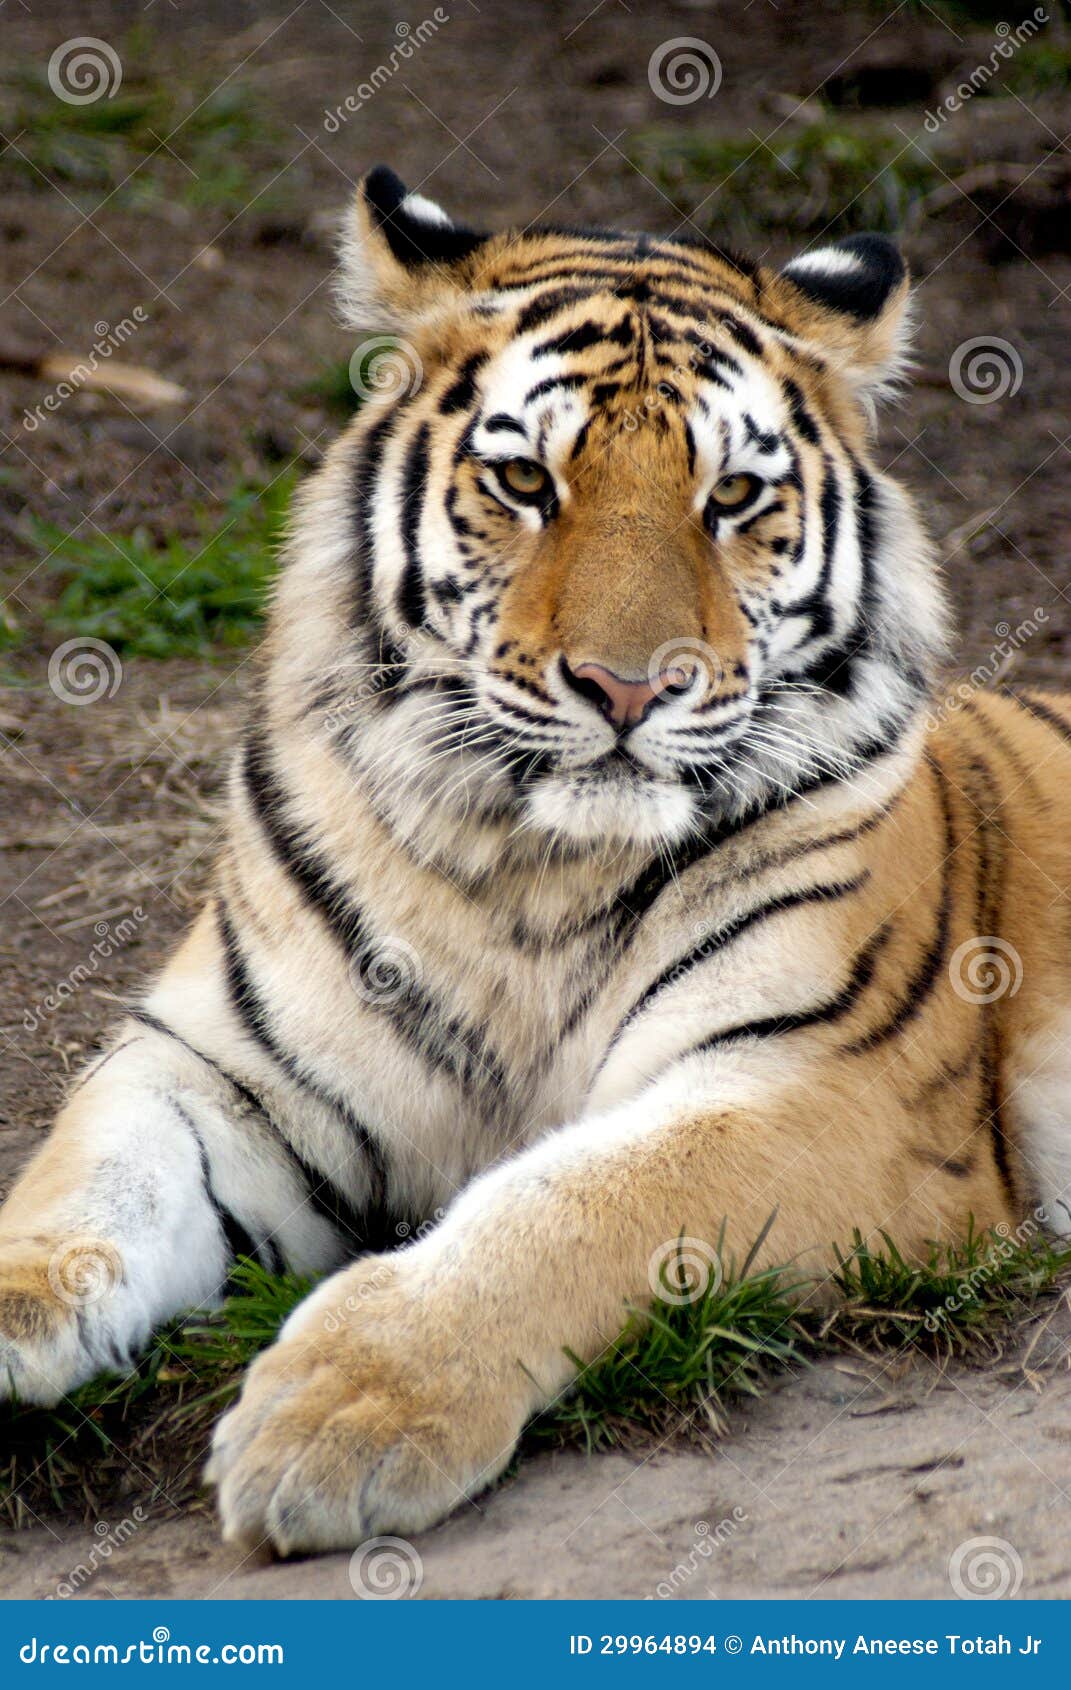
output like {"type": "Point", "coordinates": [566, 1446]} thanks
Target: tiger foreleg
{"type": "Point", "coordinates": [132, 1211]}
{"type": "Point", "coordinates": [401, 1386]}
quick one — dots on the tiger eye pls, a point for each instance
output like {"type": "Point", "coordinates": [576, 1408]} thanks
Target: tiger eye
{"type": "Point", "coordinates": [523, 476]}
{"type": "Point", "coordinates": [734, 490]}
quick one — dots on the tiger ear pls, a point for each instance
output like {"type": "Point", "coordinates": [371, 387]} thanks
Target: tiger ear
{"type": "Point", "coordinates": [401, 254]}
{"type": "Point", "coordinates": [853, 298]}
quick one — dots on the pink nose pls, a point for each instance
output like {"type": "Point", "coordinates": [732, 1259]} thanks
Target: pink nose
{"type": "Point", "coordinates": [624, 703]}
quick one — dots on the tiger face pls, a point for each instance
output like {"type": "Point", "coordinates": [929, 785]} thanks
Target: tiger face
{"type": "Point", "coordinates": [626, 566]}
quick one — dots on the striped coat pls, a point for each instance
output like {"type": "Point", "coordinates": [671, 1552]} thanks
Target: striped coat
{"type": "Point", "coordinates": [598, 871]}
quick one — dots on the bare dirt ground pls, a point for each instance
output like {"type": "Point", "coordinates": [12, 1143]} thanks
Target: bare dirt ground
{"type": "Point", "coordinates": [843, 1484]}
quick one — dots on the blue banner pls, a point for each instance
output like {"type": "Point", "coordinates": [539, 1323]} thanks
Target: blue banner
{"type": "Point", "coordinates": [538, 1643]}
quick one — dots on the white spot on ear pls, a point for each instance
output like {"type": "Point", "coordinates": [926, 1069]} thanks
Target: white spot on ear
{"type": "Point", "coordinates": [358, 285]}
{"type": "Point", "coordinates": [826, 261]}
{"type": "Point", "coordinates": [425, 211]}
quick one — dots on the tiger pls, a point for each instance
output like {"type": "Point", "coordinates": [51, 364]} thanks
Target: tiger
{"type": "Point", "coordinates": [600, 878]}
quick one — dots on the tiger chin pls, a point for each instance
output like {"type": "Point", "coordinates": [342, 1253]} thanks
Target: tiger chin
{"type": "Point", "coordinates": [598, 871]}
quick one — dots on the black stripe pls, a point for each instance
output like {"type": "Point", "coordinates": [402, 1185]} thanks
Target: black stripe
{"type": "Point", "coordinates": [365, 480]}
{"type": "Point", "coordinates": [252, 1012]}
{"type": "Point", "coordinates": [827, 840]}
{"type": "Point", "coordinates": [657, 876]}
{"type": "Point", "coordinates": [585, 335]}
{"type": "Point", "coordinates": [1043, 713]}
{"type": "Point", "coordinates": [412, 600]}
{"type": "Point", "coordinates": [500, 422]}
{"type": "Point", "coordinates": [145, 1019]}
{"type": "Point", "coordinates": [462, 392]}
{"type": "Point", "coordinates": [765, 441]}
{"type": "Point", "coordinates": [588, 279]}
{"type": "Point", "coordinates": [988, 919]}
{"type": "Point", "coordinates": [829, 1010]}
{"type": "Point", "coordinates": [239, 1242]}
{"type": "Point", "coordinates": [714, 358]}
{"type": "Point", "coordinates": [714, 943]}
{"type": "Point", "coordinates": [805, 424]}
{"type": "Point", "coordinates": [868, 614]}
{"type": "Point", "coordinates": [922, 982]}
{"type": "Point", "coordinates": [328, 1200]}
{"type": "Point", "coordinates": [689, 441]}
{"type": "Point", "coordinates": [816, 605]}
{"type": "Point", "coordinates": [442, 1040]}
{"type": "Point", "coordinates": [835, 669]}
{"type": "Point", "coordinates": [547, 305]}
{"type": "Point", "coordinates": [994, 736]}
{"type": "Point", "coordinates": [549, 383]}
{"type": "Point", "coordinates": [740, 332]}
{"type": "Point", "coordinates": [830, 507]}
{"type": "Point", "coordinates": [581, 439]}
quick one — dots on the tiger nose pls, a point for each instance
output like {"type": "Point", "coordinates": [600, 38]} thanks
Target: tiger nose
{"type": "Point", "coordinates": [624, 703]}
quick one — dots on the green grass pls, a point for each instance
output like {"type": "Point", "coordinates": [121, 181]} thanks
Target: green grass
{"type": "Point", "coordinates": [153, 1423]}
{"type": "Point", "coordinates": [334, 388]}
{"type": "Point", "coordinates": [674, 1367]}
{"type": "Point", "coordinates": [680, 1359]}
{"type": "Point", "coordinates": [955, 1300]}
{"type": "Point", "coordinates": [1041, 67]}
{"type": "Point", "coordinates": [180, 597]}
{"type": "Point", "coordinates": [833, 175]}
{"type": "Point", "coordinates": [159, 137]}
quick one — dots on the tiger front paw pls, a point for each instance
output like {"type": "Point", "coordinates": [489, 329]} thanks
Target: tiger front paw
{"type": "Point", "coordinates": [55, 1327]}
{"type": "Point", "coordinates": [369, 1415]}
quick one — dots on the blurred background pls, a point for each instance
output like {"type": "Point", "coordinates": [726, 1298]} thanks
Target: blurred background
{"type": "Point", "coordinates": [170, 179]}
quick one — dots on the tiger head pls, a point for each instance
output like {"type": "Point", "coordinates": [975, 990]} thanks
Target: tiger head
{"type": "Point", "coordinates": [619, 563]}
